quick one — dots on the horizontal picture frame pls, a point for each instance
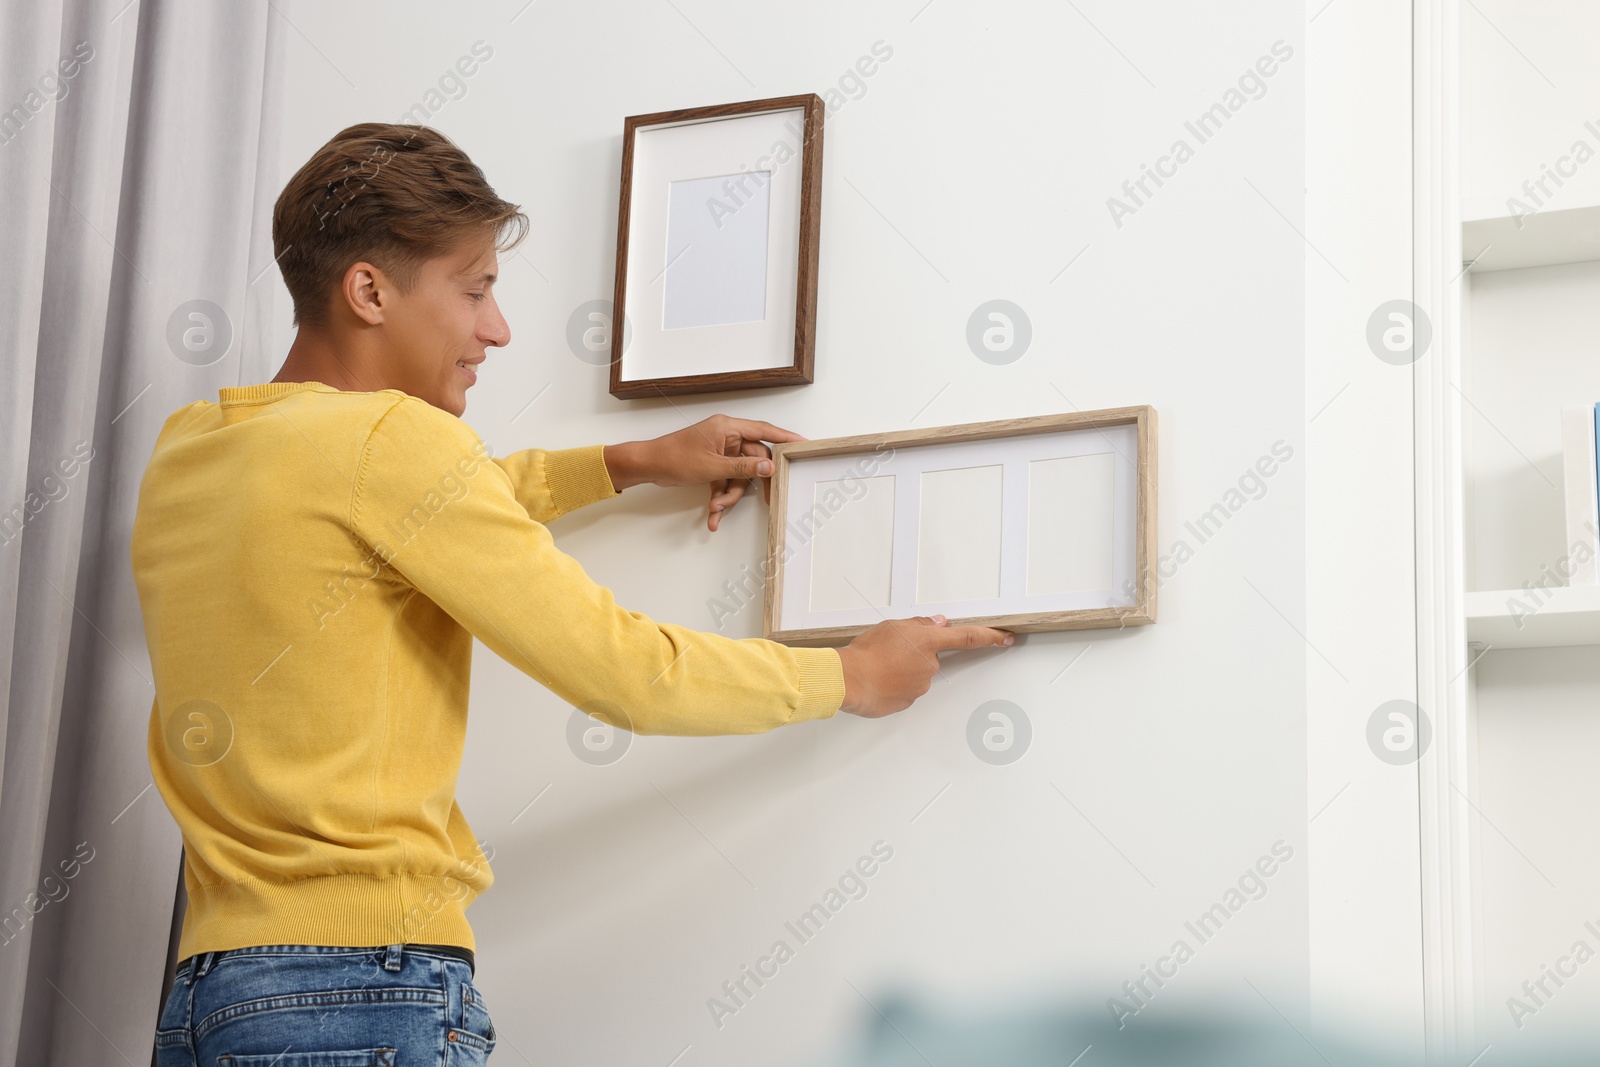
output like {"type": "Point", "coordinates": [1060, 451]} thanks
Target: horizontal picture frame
{"type": "Point", "coordinates": [1029, 524]}
{"type": "Point", "coordinates": [718, 229]}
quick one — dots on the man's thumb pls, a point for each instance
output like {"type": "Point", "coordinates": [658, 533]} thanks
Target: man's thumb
{"type": "Point", "coordinates": [749, 467]}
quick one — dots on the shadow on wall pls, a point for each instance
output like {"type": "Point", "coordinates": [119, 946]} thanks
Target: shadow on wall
{"type": "Point", "coordinates": [902, 1032]}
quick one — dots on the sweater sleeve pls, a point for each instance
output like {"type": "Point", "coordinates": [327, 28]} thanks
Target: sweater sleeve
{"type": "Point", "coordinates": [548, 483]}
{"type": "Point", "coordinates": [449, 521]}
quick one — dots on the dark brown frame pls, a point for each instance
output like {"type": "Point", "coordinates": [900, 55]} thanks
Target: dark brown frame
{"type": "Point", "coordinates": [805, 308]}
{"type": "Point", "coordinates": [1142, 611]}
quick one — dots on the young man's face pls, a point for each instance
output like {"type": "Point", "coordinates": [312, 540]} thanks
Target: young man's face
{"type": "Point", "coordinates": [436, 334]}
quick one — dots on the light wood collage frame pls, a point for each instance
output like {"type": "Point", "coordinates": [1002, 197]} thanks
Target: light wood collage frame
{"type": "Point", "coordinates": [1142, 611]}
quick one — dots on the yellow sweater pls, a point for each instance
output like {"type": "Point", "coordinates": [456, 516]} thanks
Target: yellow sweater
{"type": "Point", "coordinates": [312, 566]}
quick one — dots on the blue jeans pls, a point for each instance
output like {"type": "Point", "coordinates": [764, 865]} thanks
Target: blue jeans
{"type": "Point", "coordinates": [322, 1006]}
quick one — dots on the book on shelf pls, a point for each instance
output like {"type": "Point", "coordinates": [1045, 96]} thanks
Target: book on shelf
{"type": "Point", "coordinates": [1581, 475]}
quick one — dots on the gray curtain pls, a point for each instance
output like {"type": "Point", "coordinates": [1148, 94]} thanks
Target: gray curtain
{"type": "Point", "coordinates": [134, 137]}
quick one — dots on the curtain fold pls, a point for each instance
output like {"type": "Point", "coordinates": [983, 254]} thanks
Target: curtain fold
{"type": "Point", "coordinates": [136, 141]}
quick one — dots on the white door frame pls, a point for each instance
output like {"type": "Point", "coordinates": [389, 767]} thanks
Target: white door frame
{"type": "Point", "coordinates": [1445, 778]}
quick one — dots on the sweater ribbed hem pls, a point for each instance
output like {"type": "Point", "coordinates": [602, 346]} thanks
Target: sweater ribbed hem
{"type": "Point", "coordinates": [821, 683]}
{"type": "Point", "coordinates": [337, 909]}
{"type": "Point", "coordinates": [577, 476]}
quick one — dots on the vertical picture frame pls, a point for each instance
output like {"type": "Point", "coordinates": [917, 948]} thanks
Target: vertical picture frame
{"type": "Point", "coordinates": [718, 233]}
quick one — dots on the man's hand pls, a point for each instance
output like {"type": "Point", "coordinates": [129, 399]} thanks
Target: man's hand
{"type": "Point", "coordinates": [722, 450]}
{"type": "Point", "coordinates": [889, 666]}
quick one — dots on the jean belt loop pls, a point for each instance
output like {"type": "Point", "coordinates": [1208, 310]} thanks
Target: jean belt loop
{"type": "Point", "coordinates": [391, 958]}
{"type": "Point", "coordinates": [202, 965]}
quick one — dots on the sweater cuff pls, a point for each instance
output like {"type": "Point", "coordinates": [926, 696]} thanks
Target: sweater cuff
{"type": "Point", "coordinates": [577, 476]}
{"type": "Point", "coordinates": [821, 683]}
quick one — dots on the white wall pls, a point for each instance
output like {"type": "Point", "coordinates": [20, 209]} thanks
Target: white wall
{"type": "Point", "coordinates": [977, 164]}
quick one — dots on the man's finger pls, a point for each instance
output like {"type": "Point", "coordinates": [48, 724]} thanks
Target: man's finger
{"type": "Point", "coordinates": [967, 637]}
{"type": "Point", "coordinates": [729, 496]}
{"type": "Point", "coordinates": [745, 467]}
{"type": "Point", "coordinates": [756, 430]}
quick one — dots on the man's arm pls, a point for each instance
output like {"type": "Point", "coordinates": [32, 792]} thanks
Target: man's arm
{"type": "Point", "coordinates": [483, 557]}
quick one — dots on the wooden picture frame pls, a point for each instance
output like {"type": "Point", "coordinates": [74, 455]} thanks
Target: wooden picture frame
{"type": "Point", "coordinates": [684, 333]}
{"type": "Point", "coordinates": [1118, 448]}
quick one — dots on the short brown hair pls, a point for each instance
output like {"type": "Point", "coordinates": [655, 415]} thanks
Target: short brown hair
{"type": "Point", "coordinates": [397, 195]}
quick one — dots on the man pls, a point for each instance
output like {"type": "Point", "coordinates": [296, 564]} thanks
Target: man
{"type": "Point", "coordinates": [314, 556]}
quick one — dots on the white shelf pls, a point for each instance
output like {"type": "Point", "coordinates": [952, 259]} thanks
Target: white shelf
{"type": "Point", "coordinates": [1546, 238]}
{"type": "Point", "coordinates": [1566, 615]}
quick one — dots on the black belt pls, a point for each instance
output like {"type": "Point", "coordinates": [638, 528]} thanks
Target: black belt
{"type": "Point", "coordinates": [455, 951]}
{"type": "Point", "coordinates": [451, 950]}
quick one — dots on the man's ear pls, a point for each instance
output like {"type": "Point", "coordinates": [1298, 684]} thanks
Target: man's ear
{"type": "Point", "coordinates": [363, 289]}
